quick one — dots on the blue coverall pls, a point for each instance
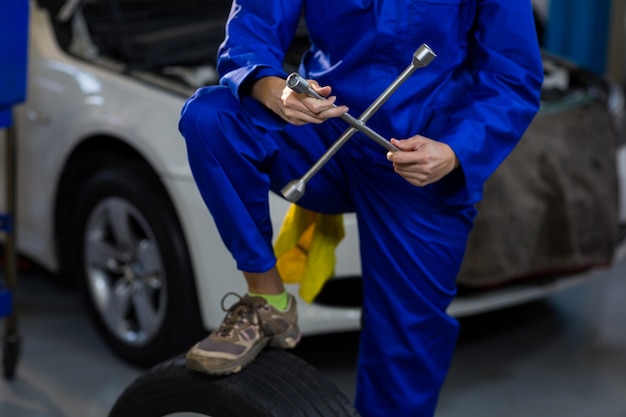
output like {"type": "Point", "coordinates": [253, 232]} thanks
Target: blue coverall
{"type": "Point", "coordinates": [478, 96]}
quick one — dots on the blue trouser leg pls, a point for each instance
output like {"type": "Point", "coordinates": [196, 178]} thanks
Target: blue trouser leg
{"type": "Point", "coordinates": [412, 243]}
{"type": "Point", "coordinates": [235, 164]}
{"type": "Point", "coordinates": [412, 246]}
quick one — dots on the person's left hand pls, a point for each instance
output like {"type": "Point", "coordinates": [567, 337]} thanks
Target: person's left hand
{"type": "Point", "coordinates": [422, 161]}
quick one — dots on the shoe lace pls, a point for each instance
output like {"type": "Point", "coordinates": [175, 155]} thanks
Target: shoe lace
{"type": "Point", "coordinates": [241, 313]}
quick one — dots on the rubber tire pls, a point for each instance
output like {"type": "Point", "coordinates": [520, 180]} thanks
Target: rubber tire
{"type": "Point", "coordinates": [182, 325]}
{"type": "Point", "coordinates": [276, 384]}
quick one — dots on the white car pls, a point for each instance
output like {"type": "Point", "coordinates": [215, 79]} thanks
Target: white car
{"type": "Point", "coordinates": [106, 196]}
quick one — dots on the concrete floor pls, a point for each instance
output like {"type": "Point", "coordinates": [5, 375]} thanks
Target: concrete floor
{"type": "Point", "coordinates": [561, 356]}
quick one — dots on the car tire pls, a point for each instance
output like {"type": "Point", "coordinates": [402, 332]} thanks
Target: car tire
{"type": "Point", "coordinates": [276, 384]}
{"type": "Point", "coordinates": [132, 266]}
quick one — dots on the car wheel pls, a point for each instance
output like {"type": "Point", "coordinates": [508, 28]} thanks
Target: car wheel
{"type": "Point", "coordinates": [276, 384]}
{"type": "Point", "coordinates": [133, 267]}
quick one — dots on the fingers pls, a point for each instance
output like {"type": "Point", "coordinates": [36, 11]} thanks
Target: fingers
{"type": "Point", "coordinates": [413, 143]}
{"type": "Point", "coordinates": [300, 109]}
{"type": "Point", "coordinates": [422, 161]}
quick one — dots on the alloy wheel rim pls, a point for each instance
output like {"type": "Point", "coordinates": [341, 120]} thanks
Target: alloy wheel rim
{"type": "Point", "coordinates": [124, 271]}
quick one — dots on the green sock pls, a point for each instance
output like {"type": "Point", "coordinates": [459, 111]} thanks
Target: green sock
{"type": "Point", "coordinates": [279, 301]}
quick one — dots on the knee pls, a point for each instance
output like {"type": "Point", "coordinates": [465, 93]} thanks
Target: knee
{"type": "Point", "coordinates": [202, 115]}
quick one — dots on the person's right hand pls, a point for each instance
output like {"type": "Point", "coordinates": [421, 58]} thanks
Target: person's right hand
{"type": "Point", "coordinates": [296, 108]}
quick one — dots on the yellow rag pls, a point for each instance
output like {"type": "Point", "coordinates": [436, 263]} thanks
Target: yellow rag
{"type": "Point", "coordinates": [305, 248]}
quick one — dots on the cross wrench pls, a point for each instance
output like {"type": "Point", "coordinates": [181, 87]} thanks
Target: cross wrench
{"type": "Point", "coordinates": [295, 189]}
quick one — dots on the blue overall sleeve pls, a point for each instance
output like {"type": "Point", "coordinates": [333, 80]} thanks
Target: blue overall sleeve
{"type": "Point", "coordinates": [484, 124]}
{"type": "Point", "coordinates": [258, 34]}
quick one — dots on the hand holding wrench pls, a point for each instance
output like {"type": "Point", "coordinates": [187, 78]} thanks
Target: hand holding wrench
{"type": "Point", "coordinates": [300, 85]}
{"type": "Point", "coordinates": [295, 189]}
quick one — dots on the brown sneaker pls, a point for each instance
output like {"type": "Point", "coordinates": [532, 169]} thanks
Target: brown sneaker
{"type": "Point", "coordinates": [281, 326]}
{"type": "Point", "coordinates": [247, 328]}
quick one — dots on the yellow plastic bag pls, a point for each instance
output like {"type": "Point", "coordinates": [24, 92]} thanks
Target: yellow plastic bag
{"type": "Point", "coordinates": [305, 249]}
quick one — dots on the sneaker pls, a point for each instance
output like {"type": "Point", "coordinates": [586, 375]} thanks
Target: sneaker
{"type": "Point", "coordinates": [281, 326]}
{"type": "Point", "coordinates": [249, 325]}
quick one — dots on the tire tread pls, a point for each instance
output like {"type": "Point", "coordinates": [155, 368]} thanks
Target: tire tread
{"type": "Point", "coordinates": [276, 384]}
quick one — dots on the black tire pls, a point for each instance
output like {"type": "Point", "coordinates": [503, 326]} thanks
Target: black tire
{"type": "Point", "coordinates": [153, 277]}
{"type": "Point", "coordinates": [276, 384]}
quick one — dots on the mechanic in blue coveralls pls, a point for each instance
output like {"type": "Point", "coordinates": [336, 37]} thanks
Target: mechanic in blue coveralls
{"type": "Point", "coordinates": [453, 121]}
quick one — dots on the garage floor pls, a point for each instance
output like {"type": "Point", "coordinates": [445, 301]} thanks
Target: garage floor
{"type": "Point", "coordinates": [562, 356]}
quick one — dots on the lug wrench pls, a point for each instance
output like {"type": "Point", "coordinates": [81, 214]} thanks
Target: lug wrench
{"type": "Point", "coordinates": [295, 189]}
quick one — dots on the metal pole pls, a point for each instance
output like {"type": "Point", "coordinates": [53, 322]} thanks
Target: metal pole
{"type": "Point", "coordinates": [11, 340]}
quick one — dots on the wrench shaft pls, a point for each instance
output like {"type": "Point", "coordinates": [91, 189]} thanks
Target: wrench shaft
{"type": "Point", "coordinates": [359, 125]}
{"type": "Point", "coordinates": [332, 150]}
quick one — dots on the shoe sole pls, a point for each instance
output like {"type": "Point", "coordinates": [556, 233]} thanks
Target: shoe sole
{"type": "Point", "coordinates": [195, 364]}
